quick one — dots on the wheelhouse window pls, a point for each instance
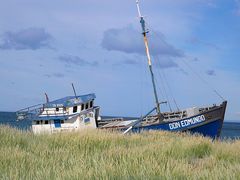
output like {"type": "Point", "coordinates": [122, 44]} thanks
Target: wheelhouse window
{"type": "Point", "coordinates": [46, 122]}
{"type": "Point", "coordinates": [91, 104]}
{"type": "Point", "coordinates": [57, 109]}
{"type": "Point", "coordinates": [62, 121]}
{"type": "Point", "coordinates": [86, 105]}
{"type": "Point", "coordinates": [82, 107]}
{"type": "Point", "coordinates": [37, 122]}
{"type": "Point", "coordinates": [74, 109]}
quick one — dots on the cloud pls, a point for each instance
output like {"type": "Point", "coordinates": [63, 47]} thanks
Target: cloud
{"type": "Point", "coordinates": [238, 7]}
{"type": "Point", "coordinates": [56, 75]}
{"type": "Point", "coordinates": [164, 62]}
{"type": "Point", "coordinates": [211, 72]}
{"type": "Point", "coordinates": [195, 59]}
{"type": "Point", "coordinates": [31, 38]}
{"type": "Point", "coordinates": [127, 62]}
{"type": "Point", "coordinates": [196, 41]}
{"type": "Point", "coordinates": [181, 70]}
{"type": "Point", "coordinates": [70, 60]}
{"type": "Point", "coordinates": [130, 62]}
{"type": "Point", "coordinates": [158, 62]}
{"type": "Point", "coordinates": [129, 40]}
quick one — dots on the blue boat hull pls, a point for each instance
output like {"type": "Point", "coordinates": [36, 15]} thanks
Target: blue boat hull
{"type": "Point", "coordinates": [207, 124]}
{"type": "Point", "coordinates": [210, 129]}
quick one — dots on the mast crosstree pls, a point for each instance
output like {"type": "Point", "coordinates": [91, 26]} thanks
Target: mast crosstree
{"type": "Point", "coordinates": [144, 32]}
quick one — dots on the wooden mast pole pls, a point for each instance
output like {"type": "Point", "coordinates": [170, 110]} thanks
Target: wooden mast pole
{"type": "Point", "coordinates": [144, 32]}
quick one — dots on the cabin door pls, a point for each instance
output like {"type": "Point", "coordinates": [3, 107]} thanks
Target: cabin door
{"type": "Point", "coordinates": [57, 123]}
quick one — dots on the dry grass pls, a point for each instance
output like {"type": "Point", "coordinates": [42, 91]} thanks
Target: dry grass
{"type": "Point", "coordinates": [108, 155]}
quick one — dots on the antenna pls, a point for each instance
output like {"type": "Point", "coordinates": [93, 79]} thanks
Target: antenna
{"type": "Point", "coordinates": [47, 100]}
{"type": "Point", "coordinates": [74, 90]}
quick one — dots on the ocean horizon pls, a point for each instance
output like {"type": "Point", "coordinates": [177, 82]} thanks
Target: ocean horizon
{"type": "Point", "coordinates": [230, 130]}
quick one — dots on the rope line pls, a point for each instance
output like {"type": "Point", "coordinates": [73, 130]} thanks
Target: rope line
{"type": "Point", "coordinates": [194, 72]}
{"type": "Point", "coordinates": [203, 80]}
{"type": "Point", "coordinates": [163, 83]}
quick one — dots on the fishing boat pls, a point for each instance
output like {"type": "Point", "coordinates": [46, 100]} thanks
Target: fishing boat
{"type": "Point", "coordinates": [206, 121]}
{"type": "Point", "coordinates": [70, 113]}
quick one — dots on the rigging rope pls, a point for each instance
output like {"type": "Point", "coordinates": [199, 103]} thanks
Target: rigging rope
{"type": "Point", "coordinates": [170, 90]}
{"type": "Point", "coordinates": [194, 72]}
{"type": "Point", "coordinates": [203, 80]}
{"type": "Point", "coordinates": [163, 82]}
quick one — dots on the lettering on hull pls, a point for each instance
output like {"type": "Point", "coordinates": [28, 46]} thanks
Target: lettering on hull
{"type": "Point", "coordinates": [186, 122]}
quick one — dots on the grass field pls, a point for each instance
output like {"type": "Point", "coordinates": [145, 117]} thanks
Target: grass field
{"type": "Point", "coordinates": [107, 155]}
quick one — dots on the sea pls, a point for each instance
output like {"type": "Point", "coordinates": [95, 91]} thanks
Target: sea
{"type": "Point", "coordinates": [230, 130]}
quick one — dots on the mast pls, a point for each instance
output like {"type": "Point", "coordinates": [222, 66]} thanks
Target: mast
{"type": "Point", "coordinates": [74, 91]}
{"type": "Point", "coordinates": [144, 32]}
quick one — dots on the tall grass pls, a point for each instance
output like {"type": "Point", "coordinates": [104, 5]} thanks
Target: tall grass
{"type": "Point", "coordinates": [107, 155]}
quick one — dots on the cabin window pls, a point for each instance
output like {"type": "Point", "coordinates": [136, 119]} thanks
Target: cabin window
{"type": "Point", "coordinates": [62, 121]}
{"type": "Point", "coordinates": [82, 107]}
{"type": "Point", "coordinates": [91, 104]}
{"type": "Point", "coordinates": [46, 122]}
{"type": "Point", "coordinates": [86, 105]}
{"type": "Point", "coordinates": [74, 109]}
{"type": "Point", "coordinates": [37, 122]}
{"type": "Point", "coordinates": [57, 109]}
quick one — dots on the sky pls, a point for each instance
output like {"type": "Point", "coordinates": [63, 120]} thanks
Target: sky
{"type": "Point", "coordinates": [97, 45]}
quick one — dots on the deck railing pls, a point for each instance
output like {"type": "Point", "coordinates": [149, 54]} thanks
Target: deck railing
{"type": "Point", "coordinates": [29, 112]}
{"type": "Point", "coordinates": [39, 110]}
